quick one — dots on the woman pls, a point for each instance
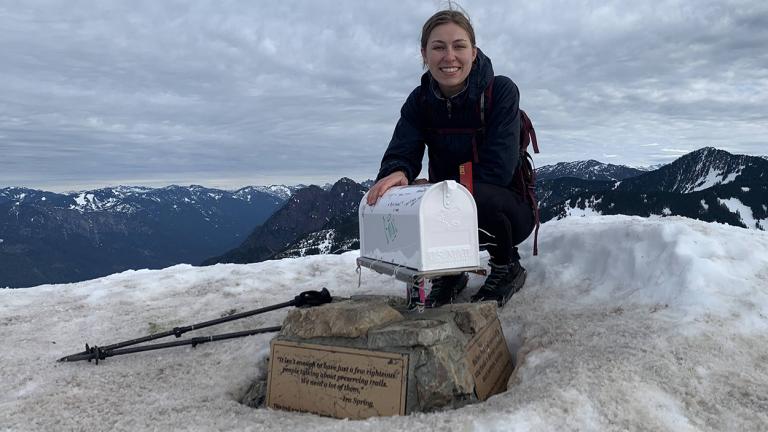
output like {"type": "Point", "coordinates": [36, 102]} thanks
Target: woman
{"type": "Point", "coordinates": [449, 98]}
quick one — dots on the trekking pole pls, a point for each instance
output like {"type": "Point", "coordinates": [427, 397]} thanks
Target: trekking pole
{"type": "Point", "coordinates": [97, 353]}
{"type": "Point", "coordinates": [306, 298]}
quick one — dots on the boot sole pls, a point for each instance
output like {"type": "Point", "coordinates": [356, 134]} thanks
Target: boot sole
{"type": "Point", "coordinates": [517, 283]}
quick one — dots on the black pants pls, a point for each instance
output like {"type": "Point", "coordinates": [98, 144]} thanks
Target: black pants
{"type": "Point", "coordinates": [505, 219]}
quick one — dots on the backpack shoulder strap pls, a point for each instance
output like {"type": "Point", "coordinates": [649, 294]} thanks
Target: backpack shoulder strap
{"type": "Point", "coordinates": [486, 102]}
{"type": "Point", "coordinates": [527, 133]}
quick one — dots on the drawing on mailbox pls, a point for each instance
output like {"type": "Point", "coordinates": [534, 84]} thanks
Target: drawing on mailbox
{"type": "Point", "coordinates": [390, 229]}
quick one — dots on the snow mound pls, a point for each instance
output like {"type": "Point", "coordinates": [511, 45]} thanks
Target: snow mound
{"type": "Point", "coordinates": [690, 267]}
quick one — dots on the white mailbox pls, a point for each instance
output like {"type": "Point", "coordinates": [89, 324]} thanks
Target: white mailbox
{"type": "Point", "coordinates": [422, 227]}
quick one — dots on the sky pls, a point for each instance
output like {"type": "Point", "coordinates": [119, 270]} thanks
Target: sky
{"type": "Point", "coordinates": [234, 93]}
{"type": "Point", "coordinates": [663, 326]}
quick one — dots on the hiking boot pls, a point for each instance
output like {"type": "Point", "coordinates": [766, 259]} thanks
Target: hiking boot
{"type": "Point", "coordinates": [445, 289]}
{"type": "Point", "coordinates": [504, 280]}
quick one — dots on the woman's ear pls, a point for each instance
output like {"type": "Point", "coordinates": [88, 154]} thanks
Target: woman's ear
{"type": "Point", "coordinates": [474, 54]}
{"type": "Point", "coordinates": [424, 56]}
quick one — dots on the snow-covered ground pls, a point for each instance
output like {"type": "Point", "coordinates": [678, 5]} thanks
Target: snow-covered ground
{"type": "Point", "coordinates": [625, 324]}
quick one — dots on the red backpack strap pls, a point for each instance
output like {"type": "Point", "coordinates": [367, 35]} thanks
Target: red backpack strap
{"type": "Point", "coordinates": [528, 134]}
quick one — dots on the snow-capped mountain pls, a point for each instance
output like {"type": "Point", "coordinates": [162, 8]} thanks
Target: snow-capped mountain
{"type": "Point", "coordinates": [308, 210]}
{"type": "Point", "coordinates": [700, 170]}
{"type": "Point", "coordinates": [707, 184]}
{"type": "Point", "coordinates": [55, 238]}
{"type": "Point", "coordinates": [650, 167]}
{"type": "Point", "coordinates": [47, 237]}
{"type": "Point", "coordinates": [132, 199]}
{"type": "Point", "coordinates": [586, 170]}
{"type": "Point", "coordinates": [282, 192]}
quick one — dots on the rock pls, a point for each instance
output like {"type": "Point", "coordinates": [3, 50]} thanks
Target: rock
{"type": "Point", "coordinates": [471, 317]}
{"type": "Point", "coordinates": [444, 378]}
{"type": "Point", "coordinates": [256, 393]}
{"type": "Point", "coordinates": [436, 342]}
{"type": "Point", "coordinates": [347, 319]}
{"type": "Point", "coordinates": [410, 333]}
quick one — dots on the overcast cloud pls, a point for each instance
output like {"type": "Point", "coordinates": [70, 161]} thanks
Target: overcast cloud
{"type": "Point", "coordinates": [232, 93]}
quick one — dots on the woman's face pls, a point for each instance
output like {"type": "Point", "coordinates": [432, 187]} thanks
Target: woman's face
{"type": "Point", "coordinates": [449, 55]}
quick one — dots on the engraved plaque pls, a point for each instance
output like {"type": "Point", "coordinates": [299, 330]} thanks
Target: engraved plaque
{"type": "Point", "coordinates": [336, 381]}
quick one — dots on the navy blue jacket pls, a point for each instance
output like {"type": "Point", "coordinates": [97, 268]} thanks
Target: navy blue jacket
{"type": "Point", "coordinates": [426, 109]}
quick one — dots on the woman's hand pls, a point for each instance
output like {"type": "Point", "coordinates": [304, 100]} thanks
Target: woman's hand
{"type": "Point", "coordinates": [397, 178]}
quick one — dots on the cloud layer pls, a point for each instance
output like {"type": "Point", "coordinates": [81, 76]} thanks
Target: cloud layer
{"type": "Point", "coordinates": [231, 93]}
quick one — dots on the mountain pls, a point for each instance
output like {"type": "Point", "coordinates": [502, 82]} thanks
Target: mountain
{"type": "Point", "coordinates": [650, 167]}
{"type": "Point", "coordinates": [707, 184]}
{"type": "Point", "coordinates": [586, 170]}
{"type": "Point", "coordinates": [553, 191]}
{"type": "Point", "coordinates": [47, 237]}
{"type": "Point", "coordinates": [309, 210]}
{"type": "Point", "coordinates": [51, 238]}
{"type": "Point", "coordinates": [721, 187]}
{"type": "Point", "coordinates": [282, 192]}
{"type": "Point", "coordinates": [340, 234]}
{"type": "Point", "coordinates": [699, 170]}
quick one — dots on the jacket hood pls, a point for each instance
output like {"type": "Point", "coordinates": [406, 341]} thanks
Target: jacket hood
{"type": "Point", "coordinates": [479, 77]}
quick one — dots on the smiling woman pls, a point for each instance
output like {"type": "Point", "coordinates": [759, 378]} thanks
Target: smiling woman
{"type": "Point", "coordinates": [449, 115]}
{"type": "Point", "coordinates": [448, 50]}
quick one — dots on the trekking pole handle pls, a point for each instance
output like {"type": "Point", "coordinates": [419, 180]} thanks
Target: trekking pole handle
{"type": "Point", "coordinates": [313, 298]}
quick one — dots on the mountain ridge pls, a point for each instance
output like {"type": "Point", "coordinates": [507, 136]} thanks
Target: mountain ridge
{"type": "Point", "coordinates": [586, 170]}
{"type": "Point", "coordinates": [707, 184]}
{"type": "Point", "coordinates": [58, 238]}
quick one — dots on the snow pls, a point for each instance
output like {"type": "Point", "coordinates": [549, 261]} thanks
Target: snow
{"type": "Point", "coordinates": [83, 199]}
{"type": "Point", "coordinates": [281, 191]}
{"type": "Point", "coordinates": [734, 205]}
{"type": "Point", "coordinates": [714, 178]}
{"type": "Point", "coordinates": [325, 245]}
{"type": "Point", "coordinates": [572, 208]}
{"type": "Point", "coordinates": [704, 205]}
{"type": "Point", "coordinates": [624, 323]}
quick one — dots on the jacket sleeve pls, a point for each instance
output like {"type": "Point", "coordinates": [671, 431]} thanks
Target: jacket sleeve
{"type": "Point", "coordinates": [499, 155]}
{"type": "Point", "coordinates": [406, 148]}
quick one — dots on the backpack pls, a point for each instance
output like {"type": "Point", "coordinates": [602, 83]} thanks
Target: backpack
{"type": "Point", "coordinates": [524, 180]}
